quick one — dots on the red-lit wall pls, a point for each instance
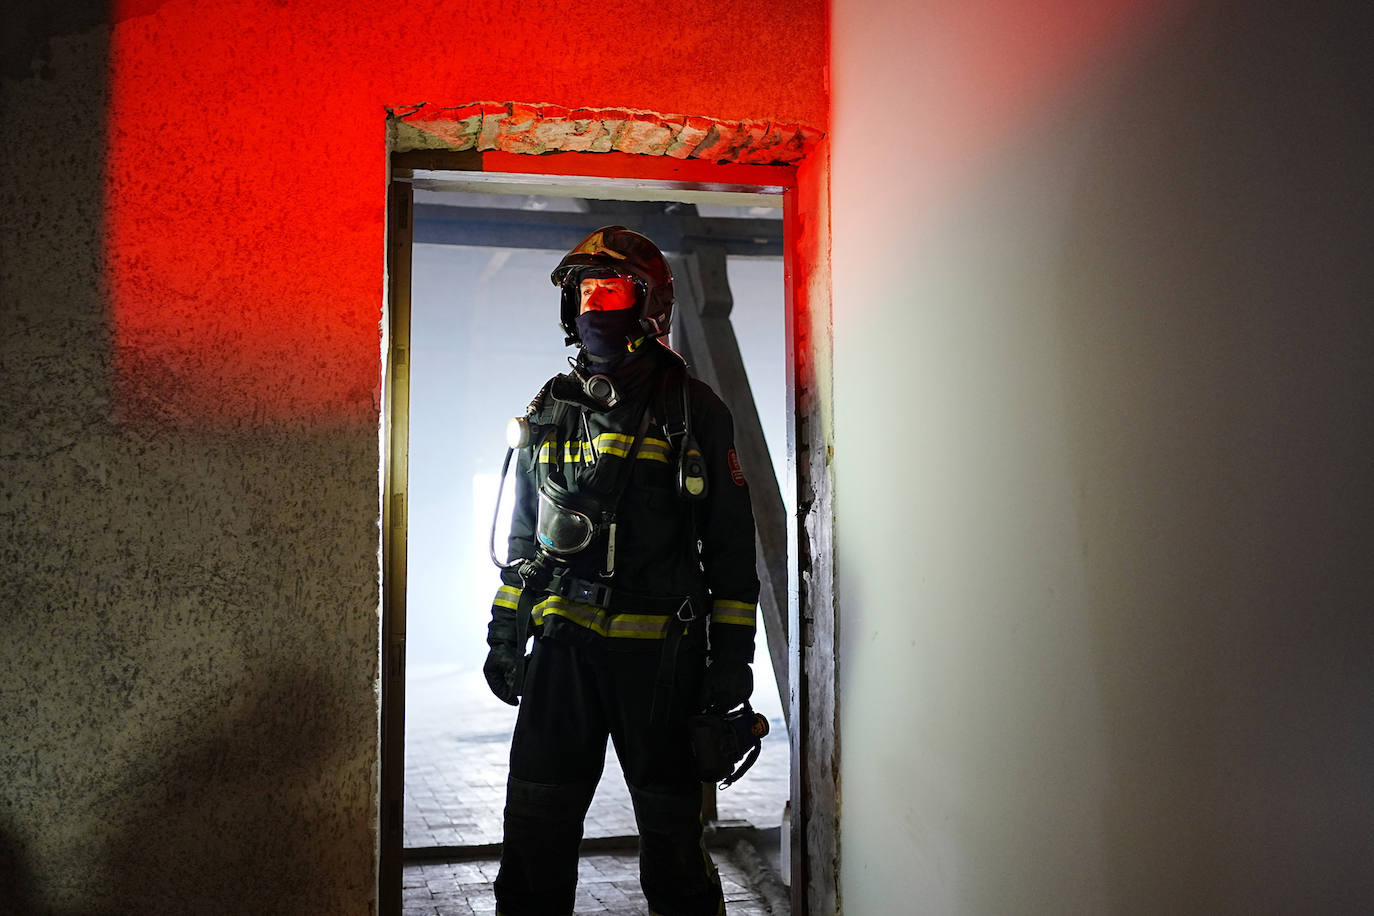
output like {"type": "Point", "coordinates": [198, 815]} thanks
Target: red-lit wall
{"type": "Point", "coordinates": [192, 246]}
{"type": "Point", "coordinates": [246, 168]}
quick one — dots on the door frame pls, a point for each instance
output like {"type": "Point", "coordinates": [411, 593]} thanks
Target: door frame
{"type": "Point", "coordinates": [811, 623]}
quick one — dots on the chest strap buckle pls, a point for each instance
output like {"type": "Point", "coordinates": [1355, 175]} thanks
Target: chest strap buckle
{"type": "Point", "coordinates": [583, 591]}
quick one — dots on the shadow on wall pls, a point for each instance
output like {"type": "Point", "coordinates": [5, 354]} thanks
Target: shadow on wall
{"type": "Point", "coordinates": [188, 717]}
{"type": "Point", "coordinates": [30, 26]}
{"type": "Point", "coordinates": [189, 721]}
{"type": "Point", "coordinates": [17, 890]}
{"type": "Point", "coordinates": [1218, 352]}
{"type": "Point", "coordinates": [224, 821]}
{"type": "Point", "coordinates": [221, 826]}
{"type": "Point", "coordinates": [50, 230]}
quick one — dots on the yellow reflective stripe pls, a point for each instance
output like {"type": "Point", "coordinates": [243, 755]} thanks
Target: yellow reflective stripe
{"type": "Point", "coordinates": [739, 621]}
{"type": "Point", "coordinates": [572, 452]}
{"type": "Point", "coordinates": [616, 444]}
{"type": "Point", "coordinates": [600, 621]}
{"type": "Point", "coordinates": [737, 612]}
{"type": "Point", "coordinates": [638, 626]}
{"type": "Point", "coordinates": [593, 618]}
{"type": "Point", "coordinates": [652, 449]}
{"type": "Point", "coordinates": [507, 596]}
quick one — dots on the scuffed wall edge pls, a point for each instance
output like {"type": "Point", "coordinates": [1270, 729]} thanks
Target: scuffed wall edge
{"type": "Point", "coordinates": [537, 128]}
{"type": "Point", "coordinates": [814, 623]}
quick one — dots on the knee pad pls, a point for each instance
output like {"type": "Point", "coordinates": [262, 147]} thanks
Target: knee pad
{"type": "Point", "coordinates": [559, 802]}
{"type": "Point", "coordinates": [666, 811]}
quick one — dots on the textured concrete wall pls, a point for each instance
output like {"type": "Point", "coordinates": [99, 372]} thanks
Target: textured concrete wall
{"type": "Point", "coordinates": [188, 711]}
{"type": "Point", "coordinates": [191, 214]}
{"type": "Point", "coordinates": [1120, 285]}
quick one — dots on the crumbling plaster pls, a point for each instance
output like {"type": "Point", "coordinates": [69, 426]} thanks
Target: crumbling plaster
{"type": "Point", "coordinates": [536, 129]}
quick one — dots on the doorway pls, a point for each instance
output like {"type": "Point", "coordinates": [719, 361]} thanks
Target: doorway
{"type": "Point", "coordinates": [594, 202]}
{"type": "Point", "coordinates": [484, 338]}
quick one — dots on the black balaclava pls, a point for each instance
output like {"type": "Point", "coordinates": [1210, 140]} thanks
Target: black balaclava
{"type": "Point", "coordinates": [608, 334]}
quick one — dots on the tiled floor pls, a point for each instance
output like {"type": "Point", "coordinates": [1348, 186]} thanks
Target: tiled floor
{"type": "Point", "coordinates": [608, 885]}
{"type": "Point", "coordinates": [457, 742]}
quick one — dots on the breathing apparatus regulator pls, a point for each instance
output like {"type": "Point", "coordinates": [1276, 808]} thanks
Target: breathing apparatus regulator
{"type": "Point", "coordinates": [726, 746]}
{"type": "Point", "coordinates": [567, 522]}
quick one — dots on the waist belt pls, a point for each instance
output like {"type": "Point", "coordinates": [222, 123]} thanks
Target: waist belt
{"type": "Point", "coordinates": [681, 612]}
{"type": "Point", "coordinates": [600, 594]}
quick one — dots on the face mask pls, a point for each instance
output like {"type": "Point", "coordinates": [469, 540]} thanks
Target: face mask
{"type": "Point", "coordinates": [607, 333]}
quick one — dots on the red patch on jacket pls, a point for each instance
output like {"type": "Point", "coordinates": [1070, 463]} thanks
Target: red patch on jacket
{"type": "Point", "coordinates": [736, 472]}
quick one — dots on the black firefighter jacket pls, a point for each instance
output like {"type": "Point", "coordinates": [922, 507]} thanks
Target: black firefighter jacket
{"type": "Point", "coordinates": [657, 563]}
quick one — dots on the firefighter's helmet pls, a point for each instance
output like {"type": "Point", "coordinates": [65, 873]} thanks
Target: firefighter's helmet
{"type": "Point", "coordinates": [626, 253]}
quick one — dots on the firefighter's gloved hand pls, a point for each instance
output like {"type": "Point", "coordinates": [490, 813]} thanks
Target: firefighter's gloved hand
{"type": "Point", "coordinates": [503, 673]}
{"type": "Point", "coordinates": [504, 668]}
{"type": "Point", "coordinates": [728, 683]}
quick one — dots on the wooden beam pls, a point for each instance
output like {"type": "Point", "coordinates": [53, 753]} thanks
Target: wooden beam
{"type": "Point", "coordinates": [500, 227]}
{"type": "Point", "coordinates": [708, 340]}
{"type": "Point", "coordinates": [469, 160]}
{"type": "Point", "coordinates": [608, 167]}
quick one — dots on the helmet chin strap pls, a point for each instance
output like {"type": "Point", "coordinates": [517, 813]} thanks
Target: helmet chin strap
{"type": "Point", "coordinates": [651, 329]}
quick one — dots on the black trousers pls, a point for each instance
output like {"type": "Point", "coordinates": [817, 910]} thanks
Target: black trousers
{"type": "Point", "coordinates": [575, 695]}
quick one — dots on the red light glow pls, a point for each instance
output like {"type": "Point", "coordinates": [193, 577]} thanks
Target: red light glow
{"type": "Point", "coordinates": [246, 178]}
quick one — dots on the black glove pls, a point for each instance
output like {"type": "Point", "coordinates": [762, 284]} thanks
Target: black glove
{"type": "Point", "coordinates": [505, 665]}
{"type": "Point", "coordinates": [503, 671]}
{"type": "Point", "coordinates": [728, 683]}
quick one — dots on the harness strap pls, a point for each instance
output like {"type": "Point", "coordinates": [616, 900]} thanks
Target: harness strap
{"type": "Point", "coordinates": [665, 682]}
{"type": "Point", "coordinates": [672, 405]}
{"type": "Point", "coordinates": [540, 579]}
{"type": "Point", "coordinates": [565, 584]}
{"type": "Point", "coordinates": [627, 470]}
{"type": "Point", "coordinates": [537, 574]}
{"type": "Point", "coordinates": [523, 611]}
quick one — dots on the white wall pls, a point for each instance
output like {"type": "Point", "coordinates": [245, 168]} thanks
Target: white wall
{"type": "Point", "coordinates": [1103, 363]}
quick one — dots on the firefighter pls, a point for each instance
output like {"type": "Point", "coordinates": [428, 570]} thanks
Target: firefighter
{"type": "Point", "coordinates": [632, 567]}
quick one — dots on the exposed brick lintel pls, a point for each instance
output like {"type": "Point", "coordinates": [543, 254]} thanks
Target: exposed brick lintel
{"type": "Point", "coordinates": [523, 127]}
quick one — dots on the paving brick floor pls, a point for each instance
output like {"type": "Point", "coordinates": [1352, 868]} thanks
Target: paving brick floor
{"type": "Point", "coordinates": [607, 885]}
{"type": "Point", "coordinates": [457, 744]}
